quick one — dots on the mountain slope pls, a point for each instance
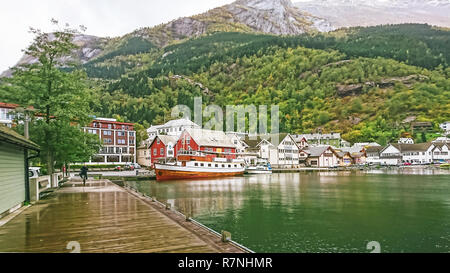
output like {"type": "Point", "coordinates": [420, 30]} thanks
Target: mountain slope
{"type": "Point", "coordinates": [265, 16]}
{"type": "Point", "coordinates": [279, 17]}
{"type": "Point", "coordinates": [89, 47]}
{"type": "Point", "coordinates": [349, 13]}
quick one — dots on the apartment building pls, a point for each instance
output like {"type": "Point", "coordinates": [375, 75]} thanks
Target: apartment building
{"type": "Point", "coordinates": [118, 139]}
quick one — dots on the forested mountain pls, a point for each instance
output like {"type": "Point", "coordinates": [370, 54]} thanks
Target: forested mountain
{"type": "Point", "coordinates": [362, 82]}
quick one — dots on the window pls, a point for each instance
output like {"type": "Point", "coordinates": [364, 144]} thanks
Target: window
{"type": "Point", "coordinates": [202, 165]}
{"type": "Point", "coordinates": [121, 134]}
{"type": "Point", "coordinates": [196, 164]}
{"type": "Point", "coordinates": [161, 152]}
{"type": "Point", "coordinates": [188, 140]}
{"type": "Point", "coordinates": [217, 165]}
{"type": "Point", "coordinates": [121, 141]}
{"type": "Point", "coordinates": [107, 133]}
{"type": "Point", "coordinates": [155, 152]}
{"type": "Point", "coordinates": [107, 141]}
{"type": "Point", "coordinates": [209, 165]}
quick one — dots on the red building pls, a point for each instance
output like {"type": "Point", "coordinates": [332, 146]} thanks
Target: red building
{"type": "Point", "coordinates": [118, 140]}
{"type": "Point", "coordinates": [162, 147]}
{"type": "Point", "coordinates": [6, 113]}
{"type": "Point", "coordinates": [215, 142]}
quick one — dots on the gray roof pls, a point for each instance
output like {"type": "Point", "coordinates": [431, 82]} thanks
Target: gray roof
{"type": "Point", "coordinates": [11, 136]}
{"type": "Point", "coordinates": [422, 147]}
{"type": "Point", "coordinates": [316, 151]}
{"type": "Point", "coordinates": [210, 138]}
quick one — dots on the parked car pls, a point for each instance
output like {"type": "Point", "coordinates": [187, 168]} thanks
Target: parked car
{"type": "Point", "coordinates": [407, 164]}
{"type": "Point", "coordinates": [34, 172]}
{"type": "Point", "coordinates": [118, 168]}
{"type": "Point", "coordinates": [136, 166]}
{"type": "Point", "coordinates": [129, 167]}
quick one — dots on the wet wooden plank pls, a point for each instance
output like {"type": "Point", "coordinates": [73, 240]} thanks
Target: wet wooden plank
{"type": "Point", "coordinates": [102, 217]}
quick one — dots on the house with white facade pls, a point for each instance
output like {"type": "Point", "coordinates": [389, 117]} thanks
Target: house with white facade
{"type": "Point", "coordinates": [390, 155]}
{"type": "Point", "coordinates": [395, 154]}
{"type": "Point", "coordinates": [319, 139]}
{"type": "Point", "coordinates": [320, 156]}
{"type": "Point", "coordinates": [7, 115]}
{"type": "Point", "coordinates": [441, 152]}
{"type": "Point", "coordinates": [172, 128]}
{"type": "Point", "coordinates": [445, 127]}
{"type": "Point", "coordinates": [442, 140]}
{"type": "Point", "coordinates": [280, 150]}
{"type": "Point", "coordinates": [373, 154]}
{"type": "Point", "coordinates": [406, 140]}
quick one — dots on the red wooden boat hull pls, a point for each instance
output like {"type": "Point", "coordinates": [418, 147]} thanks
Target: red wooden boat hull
{"type": "Point", "coordinates": [164, 175]}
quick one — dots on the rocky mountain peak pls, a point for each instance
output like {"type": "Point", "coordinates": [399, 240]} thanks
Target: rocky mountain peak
{"type": "Point", "coordinates": [274, 16]}
{"type": "Point", "coordinates": [265, 4]}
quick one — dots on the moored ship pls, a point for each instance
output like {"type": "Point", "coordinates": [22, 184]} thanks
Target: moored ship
{"type": "Point", "coordinates": [194, 165]}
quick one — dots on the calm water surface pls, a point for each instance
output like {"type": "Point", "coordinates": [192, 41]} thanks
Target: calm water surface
{"type": "Point", "coordinates": [407, 211]}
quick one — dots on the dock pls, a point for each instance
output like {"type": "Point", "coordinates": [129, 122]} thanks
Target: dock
{"type": "Point", "coordinates": [105, 218]}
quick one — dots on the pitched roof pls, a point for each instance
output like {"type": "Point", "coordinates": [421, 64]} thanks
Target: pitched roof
{"type": "Point", "coordinates": [439, 145]}
{"type": "Point", "coordinates": [174, 123]}
{"type": "Point", "coordinates": [316, 151]}
{"type": "Point", "coordinates": [165, 139]}
{"type": "Point", "coordinates": [210, 138]}
{"type": "Point", "coordinates": [8, 105]}
{"type": "Point", "coordinates": [9, 135]}
{"type": "Point", "coordinates": [422, 147]}
{"type": "Point", "coordinates": [374, 149]}
{"type": "Point", "coordinates": [274, 139]}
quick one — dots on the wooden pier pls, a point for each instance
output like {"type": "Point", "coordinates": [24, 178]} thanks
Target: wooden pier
{"type": "Point", "coordinates": [105, 218]}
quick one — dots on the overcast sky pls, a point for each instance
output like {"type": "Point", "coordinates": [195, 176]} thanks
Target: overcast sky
{"type": "Point", "coordinates": [101, 17]}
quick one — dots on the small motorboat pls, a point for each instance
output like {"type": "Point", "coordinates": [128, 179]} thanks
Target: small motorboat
{"type": "Point", "coordinates": [260, 169]}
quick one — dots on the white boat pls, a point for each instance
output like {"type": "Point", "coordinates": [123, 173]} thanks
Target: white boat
{"type": "Point", "coordinates": [197, 165]}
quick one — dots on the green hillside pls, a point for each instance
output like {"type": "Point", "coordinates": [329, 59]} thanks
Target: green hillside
{"type": "Point", "coordinates": [362, 82]}
{"type": "Point", "coordinates": [343, 86]}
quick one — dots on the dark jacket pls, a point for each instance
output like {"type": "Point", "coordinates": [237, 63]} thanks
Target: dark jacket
{"type": "Point", "coordinates": [84, 170]}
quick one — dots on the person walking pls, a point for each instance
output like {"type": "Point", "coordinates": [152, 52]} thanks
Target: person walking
{"type": "Point", "coordinates": [84, 174]}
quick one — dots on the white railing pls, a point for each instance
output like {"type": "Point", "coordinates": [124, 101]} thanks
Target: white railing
{"type": "Point", "coordinates": [43, 183]}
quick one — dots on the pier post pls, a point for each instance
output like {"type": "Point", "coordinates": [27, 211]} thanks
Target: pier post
{"type": "Point", "coordinates": [226, 236]}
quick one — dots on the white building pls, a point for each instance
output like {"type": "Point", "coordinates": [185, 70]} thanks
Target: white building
{"type": "Point", "coordinates": [445, 127]}
{"type": "Point", "coordinates": [390, 155]}
{"type": "Point", "coordinates": [441, 152]}
{"type": "Point", "coordinates": [442, 140]}
{"type": "Point", "coordinates": [373, 154]}
{"type": "Point", "coordinates": [6, 113]}
{"type": "Point", "coordinates": [333, 139]}
{"type": "Point", "coordinates": [407, 153]}
{"type": "Point", "coordinates": [172, 128]}
{"type": "Point", "coordinates": [405, 140]}
{"type": "Point", "coordinates": [280, 150]}
{"type": "Point", "coordinates": [321, 157]}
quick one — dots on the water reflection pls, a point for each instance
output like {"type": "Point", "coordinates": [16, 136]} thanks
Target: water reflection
{"type": "Point", "coordinates": [320, 212]}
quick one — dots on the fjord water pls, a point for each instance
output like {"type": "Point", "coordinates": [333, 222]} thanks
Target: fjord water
{"type": "Point", "coordinates": [320, 212]}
